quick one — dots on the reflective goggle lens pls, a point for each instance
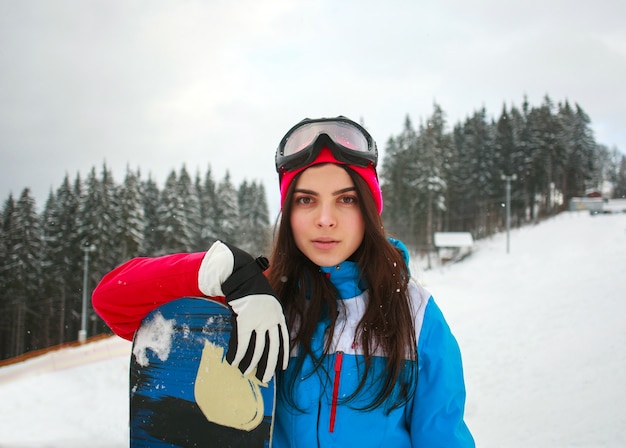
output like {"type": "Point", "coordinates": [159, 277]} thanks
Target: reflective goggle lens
{"type": "Point", "coordinates": [348, 141]}
{"type": "Point", "coordinates": [343, 134]}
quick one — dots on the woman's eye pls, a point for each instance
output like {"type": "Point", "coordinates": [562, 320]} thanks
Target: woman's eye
{"type": "Point", "coordinates": [349, 199]}
{"type": "Point", "coordinates": [303, 200]}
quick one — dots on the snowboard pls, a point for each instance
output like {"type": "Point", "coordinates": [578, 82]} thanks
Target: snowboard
{"type": "Point", "coordinates": [183, 393]}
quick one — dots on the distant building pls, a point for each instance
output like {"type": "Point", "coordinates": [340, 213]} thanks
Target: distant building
{"type": "Point", "coordinates": [593, 204]}
{"type": "Point", "coordinates": [593, 193]}
{"type": "Point", "coordinates": [597, 205]}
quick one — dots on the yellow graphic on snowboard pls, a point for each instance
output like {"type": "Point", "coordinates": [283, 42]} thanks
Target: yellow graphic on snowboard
{"type": "Point", "coordinates": [217, 382]}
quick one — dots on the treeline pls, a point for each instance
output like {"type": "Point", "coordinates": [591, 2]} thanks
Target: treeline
{"type": "Point", "coordinates": [42, 255]}
{"type": "Point", "coordinates": [436, 179]}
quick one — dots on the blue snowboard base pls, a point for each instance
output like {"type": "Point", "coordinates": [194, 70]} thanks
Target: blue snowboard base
{"type": "Point", "coordinates": [183, 393]}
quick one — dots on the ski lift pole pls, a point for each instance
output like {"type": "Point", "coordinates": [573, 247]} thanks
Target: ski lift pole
{"type": "Point", "coordinates": [82, 334]}
{"type": "Point", "coordinates": [508, 180]}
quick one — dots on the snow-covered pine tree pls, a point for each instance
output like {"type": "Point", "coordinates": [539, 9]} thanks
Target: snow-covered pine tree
{"type": "Point", "coordinates": [98, 227]}
{"type": "Point", "coordinates": [7, 288]}
{"type": "Point", "coordinates": [172, 228]}
{"type": "Point", "coordinates": [226, 212]}
{"type": "Point", "coordinates": [434, 148]}
{"type": "Point", "coordinates": [580, 152]}
{"type": "Point", "coordinates": [24, 239]}
{"type": "Point", "coordinates": [619, 185]}
{"type": "Point", "coordinates": [63, 256]}
{"type": "Point", "coordinates": [545, 132]}
{"type": "Point", "coordinates": [98, 212]}
{"type": "Point", "coordinates": [131, 218]}
{"type": "Point", "coordinates": [479, 172]}
{"type": "Point", "coordinates": [190, 209]}
{"type": "Point", "coordinates": [253, 218]}
{"type": "Point", "coordinates": [205, 189]}
{"type": "Point", "coordinates": [395, 178]}
{"type": "Point", "coordinates": [152, 239]}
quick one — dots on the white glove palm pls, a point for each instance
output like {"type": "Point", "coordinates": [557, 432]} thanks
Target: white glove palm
{"type": "Point", "coordinates": [263, 315]}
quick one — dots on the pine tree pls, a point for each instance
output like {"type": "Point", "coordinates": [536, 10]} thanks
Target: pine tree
{"type": "Point", "coordinates": [190, 209]}
{"type": "Point", "coordinates": [98, 231]}
{"type": "Point", "coordinates": [546, 130]}
{"type": "Point", "coordinates": [7, 287]}
{"type": "Point", "coordinates": [253, 218]}
{"type": "Point", "coordinates": [47, 332]}
{"type": "Point", "coordinates": [24, 238]}
{"type": "Point", "coordinates": [504, 143]}
{"type": "Point", "coordinates": [131, 219]}
{"type": "Point", "coordinates": [398, 212]}
{"type": "Point", "coordinates": [508, 157]}
{"type": "Point", "coordinates": [172, 229]}
{"type": "Point", "coordinates": [579, 152]}
{"type": "Point", "coordinates": [152, 239]}
{"type": "Point", "coordinates": [428, 169]}
{"type": "Point", "coordinates": [619, 187]}
{"type": "Point", "coordinates": [261, 220]}
{"type": "Point", "coordinates": [63, 254]}
{"type": "Point", "coordinates": [539, 163]}
{"type": "Point", "coordinates": [519, 202]}
{"type": "Point", "coordinates": [479, 173]}
{"type": "Point", "coordinates": [245, 205]}
{"type": "Point", "coordinates": [226, 212]}
{"type": "Point", "coordinates": [458, 217]}
{"type": "Point", "coordinates": [207, 202]}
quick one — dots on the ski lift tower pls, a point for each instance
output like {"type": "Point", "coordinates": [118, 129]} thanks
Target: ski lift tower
{"type": "Point", "coordinates": [508, 180]}
{"type": "Point", "coordinates": [82, 334]}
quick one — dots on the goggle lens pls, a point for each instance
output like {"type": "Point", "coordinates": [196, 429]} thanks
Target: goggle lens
{"type": "Point", "coordinates": [342, 134]}
{"type": "Point", "coordinates": [349, 142]}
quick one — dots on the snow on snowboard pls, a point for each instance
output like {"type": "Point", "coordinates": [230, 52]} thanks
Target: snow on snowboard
{"type": "Point", "coordinates": [183, 393]}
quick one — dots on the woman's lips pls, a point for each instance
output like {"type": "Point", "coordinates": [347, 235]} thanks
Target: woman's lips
{"type": "Point", "coordinates": [325, 244]}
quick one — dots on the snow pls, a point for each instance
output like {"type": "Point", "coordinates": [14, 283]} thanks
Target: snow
{"type": "Point", "coordinates": [155, 336]}
{"type": "Point", "coordinates": [541, 331]}
{"type": "Point", "coordinates": [453, 239]}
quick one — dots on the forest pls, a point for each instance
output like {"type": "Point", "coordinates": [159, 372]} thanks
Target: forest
{"type": "Point", "coordinates": [435, 177]}
{"type": "Point", "coordinates": [440, 180]}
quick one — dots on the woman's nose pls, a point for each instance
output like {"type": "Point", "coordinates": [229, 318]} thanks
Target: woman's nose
{"type": "Point", "coordinates": [326, 216]}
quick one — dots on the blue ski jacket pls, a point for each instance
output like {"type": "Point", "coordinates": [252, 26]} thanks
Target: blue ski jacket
{"type": "Point", "coordinates": [432, 418]}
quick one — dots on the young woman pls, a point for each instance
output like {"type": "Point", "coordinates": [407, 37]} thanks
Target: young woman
{"type": "Point", "coordinates": [372, 360]}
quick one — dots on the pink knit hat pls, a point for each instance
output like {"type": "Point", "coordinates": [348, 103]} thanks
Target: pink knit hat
{"type": "Point", "coordinates": [367, 173]}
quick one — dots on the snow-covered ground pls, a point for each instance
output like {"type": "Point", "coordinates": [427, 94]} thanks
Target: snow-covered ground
{"type": "Point", "coordinates": [542, 330]}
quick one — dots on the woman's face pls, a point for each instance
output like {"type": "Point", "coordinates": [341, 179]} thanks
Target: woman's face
{"type": "Point", "coordinates": [326, 219]}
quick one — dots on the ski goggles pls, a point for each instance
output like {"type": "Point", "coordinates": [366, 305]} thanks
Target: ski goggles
{"type": "Point", "coordinates": [348, 141]}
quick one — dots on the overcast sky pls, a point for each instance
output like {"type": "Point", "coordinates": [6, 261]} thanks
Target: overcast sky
{"type": "Point", "coordinates": [156, 84]}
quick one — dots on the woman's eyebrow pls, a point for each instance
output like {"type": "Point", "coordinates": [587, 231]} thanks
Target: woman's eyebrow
{"type": "Point", "coordinates": [344, 190]}
{"type": "Point", "coordinates": [305, 191]}
{"type": "Point", "coordinates": [315, 193]}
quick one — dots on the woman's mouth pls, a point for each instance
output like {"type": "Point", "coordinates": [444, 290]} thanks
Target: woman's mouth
{"type": "Point", "coordinates": [325, 243]}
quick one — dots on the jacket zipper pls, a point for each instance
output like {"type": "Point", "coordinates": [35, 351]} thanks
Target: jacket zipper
{"type": "Point", "coordinates": [333, 409]}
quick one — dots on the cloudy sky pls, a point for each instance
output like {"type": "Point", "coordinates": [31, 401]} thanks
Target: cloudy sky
{"type": "Point", "coordinates": [155, 84]}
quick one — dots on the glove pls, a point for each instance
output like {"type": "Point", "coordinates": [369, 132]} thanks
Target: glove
{"type": "Point", "coordinates": [259, 336]}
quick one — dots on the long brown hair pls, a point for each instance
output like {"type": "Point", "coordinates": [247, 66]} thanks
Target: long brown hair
{"type": "Point", "coordinates": [387, 325]}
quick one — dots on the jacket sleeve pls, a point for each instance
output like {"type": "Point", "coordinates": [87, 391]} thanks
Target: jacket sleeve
{"type": "Point", "coordinates": [437, 418]}
{"type": "Point", "coordinates": [128, 293]}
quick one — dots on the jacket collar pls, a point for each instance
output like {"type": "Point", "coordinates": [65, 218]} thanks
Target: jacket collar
{"type": "Point", "coordinates": [346, 276]}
